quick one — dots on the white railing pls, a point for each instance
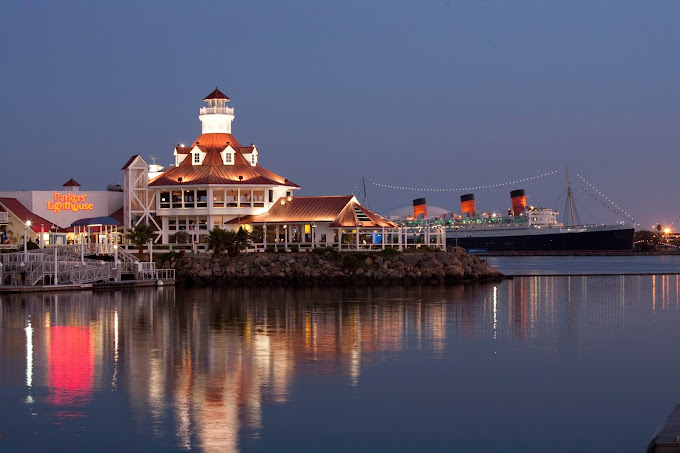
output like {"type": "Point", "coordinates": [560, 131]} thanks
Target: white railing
{"type": "Point", "coordinates": [39, 266]}
{"type": "Point", "coordinates": [216, 111]}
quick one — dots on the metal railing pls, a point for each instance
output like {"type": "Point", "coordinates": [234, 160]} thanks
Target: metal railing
{"type": "Point", "coordinates": [216, 111]}
{"type": "Point", "coordinates": [38, 266]}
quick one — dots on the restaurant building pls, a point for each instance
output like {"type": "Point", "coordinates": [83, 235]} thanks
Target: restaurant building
{"type": "Point", "coordinates": [218, 183]}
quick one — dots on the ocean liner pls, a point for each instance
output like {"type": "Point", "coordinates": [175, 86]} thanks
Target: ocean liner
{"type": "Point", "coordinates": [523, 229]}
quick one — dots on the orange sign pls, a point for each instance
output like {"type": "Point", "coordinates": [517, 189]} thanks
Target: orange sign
{"type": "Point", "coordinates": [69, 202]}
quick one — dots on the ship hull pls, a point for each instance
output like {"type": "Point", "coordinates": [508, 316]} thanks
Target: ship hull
{"type": "Point", "coordinates": [620, 239]}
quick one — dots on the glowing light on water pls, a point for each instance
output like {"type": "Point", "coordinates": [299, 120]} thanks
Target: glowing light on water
{"type": "Point", "coordinates": [29, 354]}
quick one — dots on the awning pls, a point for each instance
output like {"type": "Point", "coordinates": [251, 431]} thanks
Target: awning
{"type": "Point", "coordinates": [96, 221]}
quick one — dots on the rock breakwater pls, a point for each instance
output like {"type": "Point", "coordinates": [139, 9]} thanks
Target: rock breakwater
{"type": "Point", "coordinates": [325, 267]}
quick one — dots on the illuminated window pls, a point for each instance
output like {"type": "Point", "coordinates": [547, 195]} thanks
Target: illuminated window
{"type": "Point", "coordinates": [218, 198]}
{"type": "Point", "coordinates": [176, 198]}
{"type": "Point", "coordinates": [165, 200]}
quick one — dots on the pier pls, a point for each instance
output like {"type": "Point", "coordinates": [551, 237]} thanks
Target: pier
{"type": "Point", "coordinates": [63, 267]}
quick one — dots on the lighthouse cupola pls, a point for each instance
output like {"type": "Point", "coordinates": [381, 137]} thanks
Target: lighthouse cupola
{"type": "Point", "coordinates": [217, 117]}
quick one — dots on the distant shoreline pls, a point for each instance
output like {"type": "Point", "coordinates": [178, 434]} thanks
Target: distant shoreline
{"type": "Point", "coordinates": [583, 253]}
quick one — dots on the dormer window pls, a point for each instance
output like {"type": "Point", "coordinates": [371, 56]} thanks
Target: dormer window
{"type": "Point", "coordinates": [197, 158]}
{"type": "Point", "coordinates": [227, 155]}
{"type": "Point", "coordinates": [253, 159]}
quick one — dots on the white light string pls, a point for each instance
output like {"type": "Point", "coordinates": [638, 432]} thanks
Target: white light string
{"type": "Point", "coordinates": [460, 189]}
{"type": "Point", "coordinates": [609, 203]}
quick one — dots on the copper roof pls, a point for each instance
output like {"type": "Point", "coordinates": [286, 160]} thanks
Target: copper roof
{"type": "Point", "coordinates": [318, 209]}
{"type": "Point", "coordinates": [218, 140]}
{"type": "Point", "coordinates": [217, 94]}
{"type": "Point", "coordinates": [213, 171]}
{"type": "Point", "coordinates": [71, 183]}
{"type": "Point", "coordinates": [19, 210]}
{"type": "Point", "coordinates": [356, 215]}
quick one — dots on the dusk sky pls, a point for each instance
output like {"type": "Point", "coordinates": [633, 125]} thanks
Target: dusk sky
{"type": "Point", "coordinates": [447, 94]}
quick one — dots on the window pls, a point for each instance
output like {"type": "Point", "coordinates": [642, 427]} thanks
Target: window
{"type": "Point", "coordinates": [172, 224]}
{"type": "Point", "coordinates": [245, 198]}
{"type": "Point", "coordinates": [271, 196]}
{"type": "Point", "coordinates": [258, 198]}
{"type": "Point", "coordinates": [176, 198]}
{"type": "Point", "coordinates": [232, 196]}
{"type": "Point", "coordinates": [253, 159]}
{"type": "Point", "coordinates": [218, 198]}
{"type": "Point", "coordinates": [197, 158]}
{"type": "Point", "coordinates": [189, 198]}
{"type": "Point", "coordinates": [228, 158]}
{"type": "Point", "coordinates": [202, 223]}
{"type": "Point", "coordinates": [182, 224]}
{"type": "Point", "coordinates": [201, 198]}
{"type": "Point", "coordinates": [165, 200]}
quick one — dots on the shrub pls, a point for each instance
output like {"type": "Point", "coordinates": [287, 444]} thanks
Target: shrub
{"type": "Point", "coordinates": [390, 251]}
{"type": "Point", "coordinates": [294, 248]}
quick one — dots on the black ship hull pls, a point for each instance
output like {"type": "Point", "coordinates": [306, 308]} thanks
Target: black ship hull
{"type": "Point", "coordinates": [598, 240]}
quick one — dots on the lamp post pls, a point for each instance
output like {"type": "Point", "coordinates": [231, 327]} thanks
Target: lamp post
{"type": "Point", "coordinates": [313, 234]}
{"type": "Point", "coordinates": [285, 238]}
{"type": "Point", "coordinates": [26, 226]}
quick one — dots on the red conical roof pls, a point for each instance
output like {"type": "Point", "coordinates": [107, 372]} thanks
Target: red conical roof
{"type": "Point", "coordinates": [71, 183]}
{"type": "Point", "coordinates": [217, 94]}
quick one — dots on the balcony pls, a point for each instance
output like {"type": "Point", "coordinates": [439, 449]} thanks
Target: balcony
{"type": "Point", "coordinates": [216, 111]}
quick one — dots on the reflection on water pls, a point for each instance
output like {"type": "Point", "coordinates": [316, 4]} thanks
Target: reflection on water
{"type": "Point", "coordinates": [194, 368]}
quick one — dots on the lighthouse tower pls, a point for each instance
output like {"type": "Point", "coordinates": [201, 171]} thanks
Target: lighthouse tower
{"type": "Point", "coordinates": [217, 117]}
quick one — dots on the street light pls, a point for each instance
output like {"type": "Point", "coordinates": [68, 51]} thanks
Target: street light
{"type": "Point", "coordinates": [26, 227]}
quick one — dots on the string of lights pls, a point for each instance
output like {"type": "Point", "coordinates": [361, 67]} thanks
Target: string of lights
{"type": "Point", "coordinates": [461, 189]}
{"type": "Point", "coordinates": [603, 199]}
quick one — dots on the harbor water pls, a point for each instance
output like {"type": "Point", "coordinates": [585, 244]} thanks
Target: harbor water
{"type": "Point", "coordinates": [533, 364]}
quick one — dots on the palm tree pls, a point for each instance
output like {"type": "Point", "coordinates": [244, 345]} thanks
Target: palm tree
{"type": "Point", "coordinates": [140, 235]}
{"type": "Point", "coordinates": [220, 240]}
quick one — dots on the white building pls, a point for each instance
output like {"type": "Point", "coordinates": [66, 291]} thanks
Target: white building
{"type": "Point", "coordinates": [212, 181]}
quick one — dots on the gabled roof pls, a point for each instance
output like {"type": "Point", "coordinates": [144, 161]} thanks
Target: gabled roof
{"type": "Point", "coordinates": [213, 171]}
{"type": "Point", "coordinates": [71, 183]}
{"type": "Point", "coordinates": [20, 211]}
{"type": "Point", "coordinates": [217, 94]}
{"type": "Point", "coordinates": [118, 215]}
{"type": "Point", "coordinates": [332, 209]}
{"type": "Point", "coordinates": [132, 160]}
{"type": "Point", "coordinates": [356, 215]}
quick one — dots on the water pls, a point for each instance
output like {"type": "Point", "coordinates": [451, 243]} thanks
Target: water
{"type": "Point", "coordinates": [588, 363]}
{"type": "Point", "coordinates": [586, 265]}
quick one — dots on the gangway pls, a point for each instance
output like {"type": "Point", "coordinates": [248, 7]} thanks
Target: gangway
{"type": "Point", "coordinates": [38, 266]}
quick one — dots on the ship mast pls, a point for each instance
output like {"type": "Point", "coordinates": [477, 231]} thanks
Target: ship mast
{"type": "Point", "coordinates": [570, 198]}
{"type": "Point", "coordinates": [363, 182]}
